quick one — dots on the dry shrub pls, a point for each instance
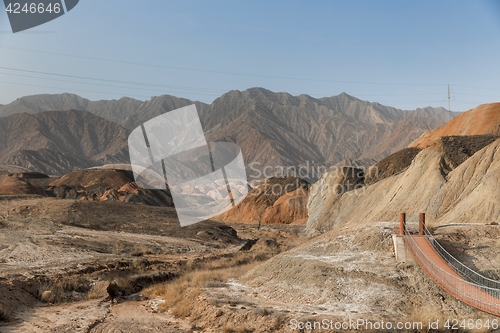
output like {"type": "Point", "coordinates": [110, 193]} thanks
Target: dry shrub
{"type": "Point", "coordinates": [139, 250]}
{"type": "Point", "coordinates": [98, 290]}
{"type": "Point", "coordinates": [96, 294]}
{"type": "Point", "coordinates": [186, 306]}
{"type": "Point", "coordinates": [61, 291]}
{"type": "Point", "coordinates": [118, 248]}
{"type": "Point", "coordinates": [181, 294]}
{"type": "Point", "coordinates": [424, 314]}
{"type": "Point", "coordinates": [241, 329]}
{"type": "Point", "coordinates": [124, 285]}
{"type": "Point", "coordinates": [227, 329]}
{"type": "Point", "coordinates": [230, 329]}
{"type": "Point", "coordinates": [279, 321]}
{"type": "Point", "coordinates": [53, 293]}
{"type": "Point", "coordinates": [237, 259]}
{"type": "Point", "coordinates": [181, 310]}
{"type": "Point", "coordinates": [262, 312]}
{"type": "Point", "coordinates": [431, 226]}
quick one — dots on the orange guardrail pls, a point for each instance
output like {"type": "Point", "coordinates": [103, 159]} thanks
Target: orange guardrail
{"type": "Point", "coordinates": [479, 296]}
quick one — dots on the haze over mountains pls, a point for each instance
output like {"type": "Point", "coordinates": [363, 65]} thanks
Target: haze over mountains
{"type": "Point", "coordinates": [114, 110]}
{"type": "Point", "coordinates": [57, 142]}
{"type": "Point", "coordinates": [272, 129]}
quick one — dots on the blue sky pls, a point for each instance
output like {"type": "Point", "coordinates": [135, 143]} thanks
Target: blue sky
{"type": "Point", "coordinates": [397, 53]}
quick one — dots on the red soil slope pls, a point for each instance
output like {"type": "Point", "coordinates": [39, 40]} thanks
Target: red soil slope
{"type": "Point", "coordinates": [484, 119]}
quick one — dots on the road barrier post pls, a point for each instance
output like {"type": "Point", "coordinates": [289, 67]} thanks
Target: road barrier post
{"type": "Point", "coordinates": [421, 224]}
{"type": "Point", "coordinates": [402, 222]}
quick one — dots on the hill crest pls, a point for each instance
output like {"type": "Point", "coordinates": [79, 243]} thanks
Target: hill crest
{"type": "Point", "coordinates": [484, 119]}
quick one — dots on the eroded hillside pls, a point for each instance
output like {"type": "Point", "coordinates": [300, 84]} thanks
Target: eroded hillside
{"type": "Point", "coordinates": [453, 180]}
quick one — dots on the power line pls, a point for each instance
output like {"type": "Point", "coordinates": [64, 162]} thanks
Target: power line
{"type": "Point", "coordinates": [221, 72]}
{"type": "Point", "coordinates": [184, 88]}
{"type": "Point", "coordinates": [180, 88]}
{"type": "Point", "coordinates": [196, 90]}
{"type": "Point", "coordinates": [76, 90]}
{"type": "Point", "coordinates": [144, 86]}
{"type": "Point", "coordinates": [135, 95]}
{"type": "Point", "coordinates": [95, 79]}
{"type": "Point", "coordinates": [479, 88]}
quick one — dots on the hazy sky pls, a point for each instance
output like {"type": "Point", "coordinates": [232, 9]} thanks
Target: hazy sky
{"type": "Point", "coordinates": [398, 53]}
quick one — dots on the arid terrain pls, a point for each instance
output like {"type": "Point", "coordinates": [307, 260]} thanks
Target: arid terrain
{"type": "Point", "coordinates": [90, 251]}
{"type": "Point", "coordinates": [58, 257]}
{"type": "Point", "coordinates": [273, 129]}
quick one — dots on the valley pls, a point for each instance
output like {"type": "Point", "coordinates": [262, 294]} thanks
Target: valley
{"type": "Point", "coordinates": [88, 250]}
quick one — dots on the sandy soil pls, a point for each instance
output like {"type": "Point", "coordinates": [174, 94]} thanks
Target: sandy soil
{"type": "Point", "coordinates": [51, 245]}
{"type": "Point", "coordinates": [58, 256]}
{"type": "Point", "coordinates": [476, 247]}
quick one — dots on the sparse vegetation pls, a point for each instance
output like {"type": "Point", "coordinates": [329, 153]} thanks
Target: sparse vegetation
{"type": "Point", "coordinates": [262, 312]}
{"type": "Point", "coordinates": [279, 321]}
{"type": "Point", "coordinates": [391, 165]}
{"type": "Point", "coordinates": [181, 294]}
{"type": "Point", "coordinates": [231, 329]}
{"type": "Point", "coordinates": [188, 277]}
{"type": "Point", "coordinates": [64, 290]}
{"type": "Point", "coordinates": [98, 290]}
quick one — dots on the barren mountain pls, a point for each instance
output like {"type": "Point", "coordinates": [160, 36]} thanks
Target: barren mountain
{"type": "Point", "coordinates": [467, 194]}
{"type": "Point", "coordinates": [58, 142]}
{"type": "Point", "coordinates": [455, 180]}
{"type": "Point", "coordinates": [114, 110]}
{"type": "Point", "coordinates": [484, 119]}
{"type": "Point", "coordinates": [273, 129]}
{"type": "Point", "coordinates": [278, 129]}
{"type": "Point", "coordinates": [127, 111]}
{"type": "Point", "coordinates": [277, 200]}
{"type": "Point", "coordinates": [156, 106]}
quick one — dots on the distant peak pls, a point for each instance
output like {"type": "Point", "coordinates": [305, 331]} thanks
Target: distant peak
{"type": "Point", "coordinates": [259, 89]}
{"type": "Point", "coordinates": [346, 95]}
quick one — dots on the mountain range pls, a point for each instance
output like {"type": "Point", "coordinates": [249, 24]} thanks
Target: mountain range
{"type": "Point", "coordinates": [56, 142]}
{"type": "Point", "coordinates": [46, 133]}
